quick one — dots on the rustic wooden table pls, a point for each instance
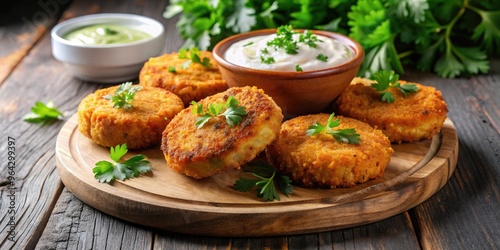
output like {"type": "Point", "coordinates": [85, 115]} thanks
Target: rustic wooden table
{"type": "Point", "coordinates": [37, 211]}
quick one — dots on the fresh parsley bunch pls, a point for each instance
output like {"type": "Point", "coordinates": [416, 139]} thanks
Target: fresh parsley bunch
{"type": "Point", "coordinates": [106, 171]}
{"type": "Point", "coordinates": [265, 183]}
{"type": "Point", "coordinates": [233, 112]}
{"type": "Point", "coordinates": [124, 95]}
{"type": "Point", "coordinates": [451, 38]}
{"type": "Point", "coordinates": [348, 135]}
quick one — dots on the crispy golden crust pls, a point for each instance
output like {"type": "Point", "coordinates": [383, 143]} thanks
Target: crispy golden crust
{"type": "Point", "coordinates": [191, 84]}
{"type": "Point", "coordinates": [216, 146]}
{"type": "Point", "coordinates": [138, 127]}
{"type": "Point", "coordinates": [320, 161]}
{"type": "Point", "coordinates": [412, 118]}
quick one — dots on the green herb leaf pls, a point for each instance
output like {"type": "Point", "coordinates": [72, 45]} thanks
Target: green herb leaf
{"type": "Point", "coordinates": [322, 57]}
{"type": "Point", "coordinates": [233, 112]}
{"type": "Point", "coordinates": [265, 183]}
{"type": "Point", "coordinates": [268, 60]}
{"type": "Point", "coordinates": [106, 171]}
{"type": "Point", "coordinates": [309, 38]}
{"type": "Point", "coordinates": [348, 135]}
{"type": "Point", "coordinates": [194, 56]}
{"type": "Point", "coordinates": [124, 95]}
{"type": "Point", "coordinates": [171, 69]}
{"type": "Point", "coordinates": [406, 89]}
{"type": "Point", "coordinates": [284, 40]}
{"type": "Point", "coordinates": [387, 79]}
{"type": "Point", "coordinates": [244, 184]}
{"type": "Point", "coordinates": [43, 114]}
{"type": "Point", "coordinates": [298, 68]}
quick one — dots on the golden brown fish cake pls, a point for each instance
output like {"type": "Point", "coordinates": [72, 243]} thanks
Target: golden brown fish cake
{"type": "Point", "coordinates": [412, 118]}
{"type": "Point", "coordinates": [138, 127]}
{"type": "Point", "coordinates": [202, 152]}
{"type": "Point", "coordinates": [321, 161]}
{"type": "Point", "coordinates": [191, 84]}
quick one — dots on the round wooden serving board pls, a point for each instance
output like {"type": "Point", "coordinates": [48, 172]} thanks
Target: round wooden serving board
{"type": "Point", "coordinates": [170, 201]}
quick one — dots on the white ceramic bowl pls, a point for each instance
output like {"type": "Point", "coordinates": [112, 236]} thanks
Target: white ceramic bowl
{"type": "Point", "coordinates": [109, 63]}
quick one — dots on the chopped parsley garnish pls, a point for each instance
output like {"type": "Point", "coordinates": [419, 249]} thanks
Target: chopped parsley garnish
{"type": "Point", "coordinates": [265, 183]}
{"type": "Point", "coordinates": [267, 60]}
{"type": "Point", "coordinates": [194, 56]}
{"type": "Point", "coordinates": [43, 114]}
{"type": "Point", "coordinates": [298, 68]}
{"type": "Point", "coordinates": [124, 95]}
{"type": "Point", "coordinates": [106, 171]}
{"type": "Point", "coordinates": [232, 111]}
{"type": "Point", "coordinates": [284, 40]}
{"type": "Point", "coordinates": [248, 44]}
{"type": "Point", "coordinates": [309, 38]}
{"type": "Point", "coordinates": [322, 57]}
{"type": "Point", "coordinates": [172, 69]}
{"type": "Point", "coordinates": [387, 79]}
{"type": "Point", "coordinates": [348, 135]}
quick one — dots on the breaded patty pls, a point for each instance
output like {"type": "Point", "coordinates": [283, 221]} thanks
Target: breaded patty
{"type": "Point", "coordinates": [321, 161]}
{"type": "Point", "coordinates": [191, 84]}
{"type": "Point", "coordinates": [138, 127]}
{"type": "Point", "coordinates": [412, 118]}
{"type": "Point", "coordinates": [215, 147]}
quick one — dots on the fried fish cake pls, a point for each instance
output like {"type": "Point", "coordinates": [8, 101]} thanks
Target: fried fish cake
{"type": "Point", "coordinates": [412, 118]}
{"type": "Point", "coordinates": [190, 84]}
{"type": "Point", "coordinates": [321, 161]}
{"type": "Point", "coordinates": [215, 147]}
{"type": "Point", "coordinates": [139, 127]}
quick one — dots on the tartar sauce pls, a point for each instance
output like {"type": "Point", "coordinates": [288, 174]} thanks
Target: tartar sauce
{"type": "Point", "coordinates": [105, 34]}
{"type": "Point", "coordinates": [255, 53]}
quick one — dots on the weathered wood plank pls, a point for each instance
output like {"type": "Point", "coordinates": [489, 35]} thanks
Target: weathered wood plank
{"type": "Point", "coordinates": [472, 195]}
{"type": "Point", "coordinates": [74, 225]}
{"type": "Point", "coordinates": [36, 179]}
{"type": "Point", "coordinates": [38, 77]}
{"type": "Point", "coordinates": [22, 24]}
{"type": "Point", "coordinates": [396, 232]}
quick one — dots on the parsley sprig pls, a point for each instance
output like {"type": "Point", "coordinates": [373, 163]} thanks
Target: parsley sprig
{"type": "Point", "coordinates": [106, 171]}
{"type": "Point", "coordinates": [265, 183]}
{"type": "Point", "coordinates": [322, 57]}
{"type": "Point", "coordinates": [43, 114]}
{"type": "Point", "coordinates": [309, 38]}
{"type": "Point", "coordinates": [284, 40]}
{"type": "Point", "coordinates": [232, 111]}
{"type": "Point", "coordinates": [194, 57]}
{"type": "Point", "coordinates": [387, 79]}
{"type": "Point", "coordinates": [348, 135]}
{"type": "Point", "coordinates": [124, 95]}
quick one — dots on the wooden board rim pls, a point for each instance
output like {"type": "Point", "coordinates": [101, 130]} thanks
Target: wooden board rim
{"type": "Point", "coordinates": [263, 218]}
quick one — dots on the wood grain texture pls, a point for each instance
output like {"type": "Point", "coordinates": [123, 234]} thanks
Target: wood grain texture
{"type": "Point", "coordinates": [80, 230]}
{"type": "Point", "coordinates": [170, 201]}
{"type": "Point", "coordinates": [22, 24]}
{"type": "Point", "coordinates": [37, 182]}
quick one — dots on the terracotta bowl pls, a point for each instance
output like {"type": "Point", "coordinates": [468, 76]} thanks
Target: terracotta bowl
{"type": "Point", "coordinates": [297, 93]}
